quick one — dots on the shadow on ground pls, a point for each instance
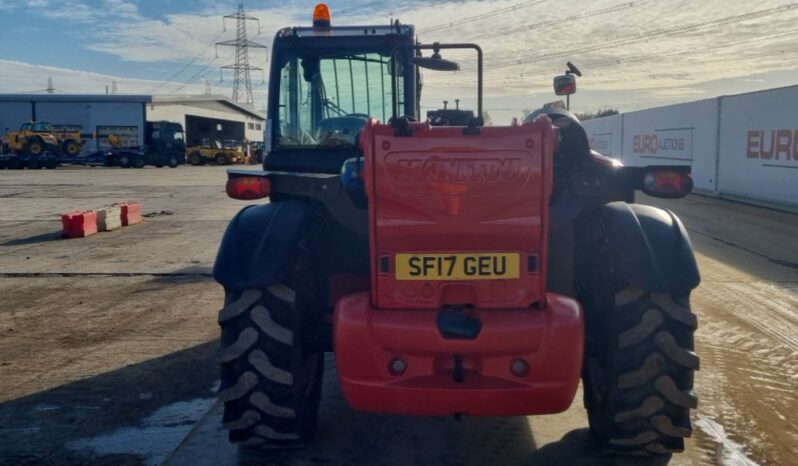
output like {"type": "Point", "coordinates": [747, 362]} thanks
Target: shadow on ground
{"type": "Point", "coordinates": [35, 430]}
{"type": "Point", "coordinates": [351, 438]}
{"type": "Point", "coordinates": [36, 239]}
{"type": "Point", "coordinates": [576, 448]}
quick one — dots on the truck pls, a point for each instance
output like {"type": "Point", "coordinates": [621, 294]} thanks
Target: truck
{"type": "Point", "coordinates": [458, 270]}
{"type": "Point", "coordinates": [164, 145]}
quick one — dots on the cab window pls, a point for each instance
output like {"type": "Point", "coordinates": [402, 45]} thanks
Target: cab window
{"type": "Point", "coordinates": [324, 102]}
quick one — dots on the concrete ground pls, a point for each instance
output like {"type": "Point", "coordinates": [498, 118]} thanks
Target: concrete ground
{"type": "Point", "coordinates": [106, 343]}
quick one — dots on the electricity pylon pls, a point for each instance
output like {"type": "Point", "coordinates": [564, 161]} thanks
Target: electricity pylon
{"type": "Point", "coordinates": [242, 81]}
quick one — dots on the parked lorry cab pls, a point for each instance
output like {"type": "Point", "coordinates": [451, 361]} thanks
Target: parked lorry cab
{"type": "Point", "coordinates": [164, 145]}
{"type": "Point", "coordinates": [453, 270]}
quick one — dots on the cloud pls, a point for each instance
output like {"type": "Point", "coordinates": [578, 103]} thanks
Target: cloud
{"type": "Point", "coordinates": [62, 10]}
{"type": "Point", "coordinates": [634, 52]}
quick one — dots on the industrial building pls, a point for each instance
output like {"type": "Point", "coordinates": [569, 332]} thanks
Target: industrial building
{"type": "Point", "coordinates": [211, 117]}
{"type": "Point", "coordinates": [124, 115]}
{"type": "Point", "coordinates": [203, 117]}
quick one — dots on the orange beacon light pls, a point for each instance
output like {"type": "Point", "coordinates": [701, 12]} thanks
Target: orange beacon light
{"type": "Point", "coordinates": [322, 18]}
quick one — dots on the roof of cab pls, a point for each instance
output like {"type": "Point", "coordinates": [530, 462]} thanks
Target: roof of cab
{"type": "Point", "coordinates": [346, 31]}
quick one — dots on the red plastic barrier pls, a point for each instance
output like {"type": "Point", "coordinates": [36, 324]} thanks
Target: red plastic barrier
{"type": "Point", "coordinates": [79, 224]}
{"type": "Point", "coordinates": [131, 213]}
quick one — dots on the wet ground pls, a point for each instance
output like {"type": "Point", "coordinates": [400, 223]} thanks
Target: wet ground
{"type": "Point", "coordinates": [106, 343]}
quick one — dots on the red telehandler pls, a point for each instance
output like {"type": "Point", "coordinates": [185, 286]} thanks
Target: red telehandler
{"type": "Point", "coordinates": [453, 270]}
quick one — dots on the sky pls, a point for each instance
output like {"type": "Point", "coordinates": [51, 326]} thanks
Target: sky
{"type": "Point", "coordinates": [634, 54]}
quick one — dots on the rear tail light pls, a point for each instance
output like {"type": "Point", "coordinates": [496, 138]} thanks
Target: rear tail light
{"type": "Point", "coordinates": [667, 183]}
{"type": "Point", "coordinates": [247, 188]}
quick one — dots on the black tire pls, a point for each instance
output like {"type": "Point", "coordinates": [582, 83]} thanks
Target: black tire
{"type": "Point", "coordinates": [70, 148]}
{"type": "Point", "coordinates": [123, 161]}
{"type": "Point", "coordinates": [270, 386]}
{"type": "Point", "coordinates": [221, 159]}
{"type": "Point", "coordinates": [14, 163]}
{"type": "Point", "coordinates": [639, 371]}
{"type": "Point", "coordinates": [34, 163]}
{"type": "Point", "coordinates": [137, 162]}
{"type": "Point", "coordinates": [195, 158]}
{"type": "Point", "coordinates": [172, 162]}
{"type": "Point", "coordinates": [51, 164]}
{"type": "Point", "coordinates": [35, 147]}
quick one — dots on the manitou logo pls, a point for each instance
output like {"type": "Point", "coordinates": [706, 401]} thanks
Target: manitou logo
{"type": "Point", "coordinates": [776, 144]}
{"type": "Point", "coordinates": [458, 170]}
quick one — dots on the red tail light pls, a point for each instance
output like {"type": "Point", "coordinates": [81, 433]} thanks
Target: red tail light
{"type": "Point", "coordinates": [247, 188]}
{"type": "Point", "coordinates": [667, 184]}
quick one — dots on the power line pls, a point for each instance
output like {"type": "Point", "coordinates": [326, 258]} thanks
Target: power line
{"type": "Point", "coordinates": [185, 67]}
{"type": "Point", "coordinates": [636, 38]}
{"type": "Point", "coordinates": [615, 62]}
{"type": "Point", "coordinates": [481, 16]}
{"type": "Point", "coordinates": [192, 80]}
{"type": "Point", "coordinates": [563, 20]}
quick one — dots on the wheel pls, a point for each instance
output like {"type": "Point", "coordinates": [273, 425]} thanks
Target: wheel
{"type": "Point", "coordinates": [14, 163]}
{"type": "Point", "coordinates": [270, 373]}
{"type": "Point", "coordinates": [35, 147]}
{"type": "Point", "coordinates": [70, 148]}
{"type": "Point", "coordinates": [639, 371]}
{"type": "Point", "coordinates": [221, 159]}
{"type": "Point", "coordinates": [34, 163]}
{"type": "Point", "coordinates": [172, 162]}
{"type": "Point", "coordinates": [137, 162]}
{"type": "Point", "coordinates": [123, 161]}
{"type": "Point", "coordinates": [195, 158]}
{"type": "Point", "coordinates": [51, 164]}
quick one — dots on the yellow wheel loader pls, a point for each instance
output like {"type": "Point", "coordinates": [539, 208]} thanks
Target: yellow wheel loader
{"type": "Point", "coordinates": [215, 152]}
{"type": "Point", "coordinates": [35, 138]}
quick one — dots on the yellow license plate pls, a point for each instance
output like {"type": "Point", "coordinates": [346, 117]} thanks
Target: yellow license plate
{"type": "Point", "coordinates": [478, 266]}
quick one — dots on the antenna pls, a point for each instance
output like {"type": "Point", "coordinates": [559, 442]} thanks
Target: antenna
{"type": "Point", "coordinates": [242, 77]}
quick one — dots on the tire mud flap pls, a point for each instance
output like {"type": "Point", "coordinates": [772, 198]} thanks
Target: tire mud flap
{"type": "Point", "coordinates": [650, 248]}
{"type": "Point", "coordinates": [259, 244]}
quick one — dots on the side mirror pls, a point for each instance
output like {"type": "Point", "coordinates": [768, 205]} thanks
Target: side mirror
{"type": "Point", "coordinates": [565, 84]}
{"type": "Point", "coordinates": [436, 63]}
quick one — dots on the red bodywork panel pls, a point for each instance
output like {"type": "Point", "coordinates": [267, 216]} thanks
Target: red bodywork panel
{"type": "Point", "coordinates": [550, 341]}
{"type": "Point", "coordinates": [440, 191]}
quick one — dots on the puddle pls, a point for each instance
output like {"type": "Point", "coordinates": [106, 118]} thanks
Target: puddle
{"type": "Point", "coordinates": [732, 452]}
{"type": "Point", "coordinates": [156, 436]}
